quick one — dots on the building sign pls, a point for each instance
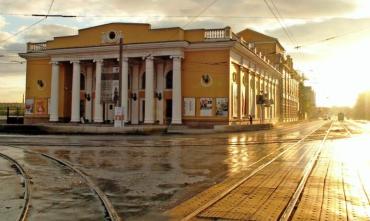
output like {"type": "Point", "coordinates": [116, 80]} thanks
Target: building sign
{"type": "Point", "coordinates": [29, 106]}
{"type": "Point", "coordinates": [110, 85]}
{"type": "Point", "coordinates": [189, 106]}
{"type": "Point", "coordinates": [222, 106]}
{"type": "Point", "coordinates": [205, 107]}
{"type": "Point", "coordinates": [118, 117]}
{"type": "Point", "coordinates": [41, 106]}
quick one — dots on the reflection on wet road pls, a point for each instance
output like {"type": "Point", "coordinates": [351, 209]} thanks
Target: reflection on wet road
{"type": "Point", "coordinates": [145, 175]}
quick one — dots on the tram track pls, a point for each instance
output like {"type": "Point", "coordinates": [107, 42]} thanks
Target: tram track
{"type": "Point", "coordinates": [219, 197]}
{"type": "Point", "coordinates": [109, 212]}
{"type": "Point", "coordinates": [289, 210]}
{"type": "Point", "coordinates": [25, 183]}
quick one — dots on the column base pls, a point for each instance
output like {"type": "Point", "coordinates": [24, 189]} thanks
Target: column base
{"type": "Point", "coordinates": [176, 121]}
{"type": "Point", "coordinates": [53, 119]}
{"type": "Point", "coordinates": [75, 120]}
{"type": "Point", "coordinates": [148, 121]}
{"type": "Point", "coordinates": [98, 120]}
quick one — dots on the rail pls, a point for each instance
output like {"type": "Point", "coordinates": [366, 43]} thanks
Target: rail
{"type": "Point", "coordinates": [36, 47]}
{"type": "Point", "coordinates": [23, 215]}
{"type": "Point", "coordinates": [218, 34]}
{"type": "Point", "coordinates": [211, 202]}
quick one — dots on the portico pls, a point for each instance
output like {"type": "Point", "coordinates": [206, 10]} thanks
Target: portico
{"type": "Point", "coordinates": [151, 91]}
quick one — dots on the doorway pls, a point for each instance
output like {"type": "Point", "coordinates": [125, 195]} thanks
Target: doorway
{"type": "Point", "coordinates": [168, 111]}
{"type": "Point", "coordinates": [142, 111]}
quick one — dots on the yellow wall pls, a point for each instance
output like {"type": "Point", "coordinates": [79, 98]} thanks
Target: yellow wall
{"type": "Point", "coordinates": [38, 69]}
{"type": "Point", "coordinates": [198, 63]}
{"type": "Point", "coordinates": [132, 33]}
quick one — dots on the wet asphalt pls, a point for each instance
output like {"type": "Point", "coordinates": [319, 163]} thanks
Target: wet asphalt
{"type": "Point", "coordinates": [141, 175]}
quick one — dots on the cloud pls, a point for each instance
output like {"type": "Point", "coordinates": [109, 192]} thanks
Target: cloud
{"type": "Point", "coordinates": [47, 32]}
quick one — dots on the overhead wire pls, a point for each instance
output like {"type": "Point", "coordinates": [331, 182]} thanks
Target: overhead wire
{"type": "Point", "coordinates": [30, 26]}
{"type": "Point", "coordinates": [279, 21]}
{"type": "Point", "coordinates": [200, 13]}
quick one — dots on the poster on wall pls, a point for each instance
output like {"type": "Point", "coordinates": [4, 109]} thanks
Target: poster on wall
{"type": "Point", "coordinates": [29, 106]}
{"type": "Point", "coordinates": [205, 106]}
{"type": "Point", "coordinates": [110, 85]}
{"type": "Point", "coordinates": [41, 106]}
{"type": "Point", "coordinates": [118, 117]}
{"type": "Point", "coordinates": [189, 106]}
{"type": "Point", "coordinates": [222, 106]}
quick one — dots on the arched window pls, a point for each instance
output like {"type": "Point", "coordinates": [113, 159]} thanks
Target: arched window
{"type": "Point", "coordinates": [142, 81]}
{"type": "Point", "coordinates": [169, 82]}
{"type": "Point", "coordinates": [82, 82]}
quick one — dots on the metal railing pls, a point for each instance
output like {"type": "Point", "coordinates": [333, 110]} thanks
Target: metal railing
{"type": "Point", "coordinates": [36, 47]}
{"type": "Point", "coordinates": [12, 114]}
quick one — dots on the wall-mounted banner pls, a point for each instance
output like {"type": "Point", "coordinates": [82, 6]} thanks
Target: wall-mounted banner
{"type": "Point", "coordinates": [118, 117]}
{"type": "Point", "coordinates": [189, 106]}
{"type": "Point", "coordinates": [222, 106]}
{"type": "Point", "coordinates": [41, 106]}
{"type": "Point", "coordinates": [205, 107]}
{"type": "Point", "coordinates": [29, 106]}
{"type": "Point", "coordinates": [110, 85]}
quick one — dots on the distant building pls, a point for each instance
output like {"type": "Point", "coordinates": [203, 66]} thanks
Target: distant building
{"type": "Point", "coordinates": [169, 76]}
{"type": "Point", "coordinates": [308, 103]}
{"type": "Point", "coordinates": [290, 79]}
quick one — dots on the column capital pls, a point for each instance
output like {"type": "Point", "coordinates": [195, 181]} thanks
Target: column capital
{"type": "Point", "coordinates": [54, 62]}
{"type": "Point", "coordinates": [98, 60]}
{"type": "Point", "coordinates": [74, 61]}
{"type": "Point", "coordinates": [148, 57]}
{"type": "Point", "coordinates": [176, 57]}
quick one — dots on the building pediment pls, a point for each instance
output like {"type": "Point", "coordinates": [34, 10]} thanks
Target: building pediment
{"type": "Point", "coordinates": [110, 34]}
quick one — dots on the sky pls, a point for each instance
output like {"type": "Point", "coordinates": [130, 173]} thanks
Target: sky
{"type": "Point", "coordinates": [333, 35]}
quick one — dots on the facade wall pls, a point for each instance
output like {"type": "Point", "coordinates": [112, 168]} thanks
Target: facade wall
{"type": "Point", "coordinates": [219, 76]}
{"type": "Point", "coordinates": [198, 64]}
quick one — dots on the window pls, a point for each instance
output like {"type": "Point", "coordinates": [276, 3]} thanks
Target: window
{"type": "Point", "coordinates": [142, 81]}
{"type": "Point", "coordinates": [169, 77]}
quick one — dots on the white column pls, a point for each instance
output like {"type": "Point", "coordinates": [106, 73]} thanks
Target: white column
{"type": "Point", "coordinates": [54, 100]}
{"type": "Point", "coordinates": [176, 91]}
{"type": "Point", "coordinates": [98, 107]}
{"type": "Point", "coordinates": [88, 90]}
{"type": "Point", "coordinates": [135, 91]}
{"type": "Point", "coordinates": [240, 94]}
{"type": "Point", "coordinates": [124, 95]}
{"type": "Point", "coordinates": [149, 90]}
{"type": "Point", "coordinates": [160, 89]}
{"type": "Point", "coordinates": [75, 112]}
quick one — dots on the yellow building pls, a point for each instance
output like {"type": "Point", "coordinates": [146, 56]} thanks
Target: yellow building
{"type": "Point", "coordinates": [290, 80]}
{"type": "Point", "coordinates": [168, 76]}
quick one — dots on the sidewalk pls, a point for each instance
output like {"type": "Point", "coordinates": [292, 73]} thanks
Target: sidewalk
{"type": "Point", "coordinates": [60, 128]}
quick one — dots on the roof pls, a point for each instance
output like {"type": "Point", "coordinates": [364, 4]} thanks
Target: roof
{"type": "Point", "coordinates": [262, 35]}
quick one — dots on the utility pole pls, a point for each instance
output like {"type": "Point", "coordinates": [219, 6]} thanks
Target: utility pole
{"type": "Point", "coordinates": [120, 72]}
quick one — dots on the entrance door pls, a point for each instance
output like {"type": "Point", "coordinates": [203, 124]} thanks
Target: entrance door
{"type": "Point", "coordinates": [168, 111]}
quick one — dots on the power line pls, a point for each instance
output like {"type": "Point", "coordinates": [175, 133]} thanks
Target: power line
{"type": "Point", "coordinates": [51, 5]}
{"type": "Point", "coordinates": [331, 38]}
{"type": "Point", "coordinates": [147, 16]}
{"type": "Point", "coordinates": [282, 20]}
{"type": "Point", "coordinates": [22, 30]}
{"type": "Point", "coordinates": [278, 19]}
{"type": "Point", "coordinates": [30, 26]}
{"type": "Point", "coordinates": [200, 13]}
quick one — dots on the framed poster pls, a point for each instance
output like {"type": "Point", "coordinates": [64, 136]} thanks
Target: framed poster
{"type": "Point", "coordinates": [222, 106]}
{"type": "Point", "coordinates": [29, 106]}
{"type": "Point", "coordinates": [189, 106]}
{"type": "Point", "coordinates": [205, 107]}
{"type": "Point", "coordinates": [41, 106]}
